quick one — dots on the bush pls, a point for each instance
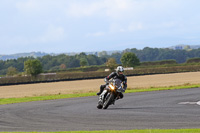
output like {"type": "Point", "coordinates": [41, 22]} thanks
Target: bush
{"type": "Point", "coordinates": [193, 60]}
{"type": "Point", "coordinates": [129, 59]}
{"type": "Point", "coordinates": [11, 71]}
{"type": "Point", "coordinates": [81, 69]}
{"type": "Point", "coordinates": [33, 67]}
{"type": "Point", "coordinates": [156, 63]}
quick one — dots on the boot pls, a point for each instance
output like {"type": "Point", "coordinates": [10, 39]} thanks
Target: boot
{"type": "Point", "coordinates": [101, 90]}
{"type": "Point", "coordinates": [99, 93]}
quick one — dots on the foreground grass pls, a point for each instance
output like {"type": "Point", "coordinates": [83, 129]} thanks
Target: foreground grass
{"type": "Point", "coordinates": [62, 96]}
{"type": "Point", "coordinates": [129, 131]}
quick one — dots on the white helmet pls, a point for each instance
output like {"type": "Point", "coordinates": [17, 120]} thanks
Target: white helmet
{"type": "Point", "coordinates": [119, 69]}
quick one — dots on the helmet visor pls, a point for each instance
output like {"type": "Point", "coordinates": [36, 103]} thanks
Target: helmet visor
{"type": "Point", "coordinates": [120, 72]}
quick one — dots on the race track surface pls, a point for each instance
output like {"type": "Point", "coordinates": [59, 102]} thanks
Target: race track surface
{"type": "Point", "coordinates": [171, 109]}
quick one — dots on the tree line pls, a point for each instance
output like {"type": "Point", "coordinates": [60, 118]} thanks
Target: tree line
{"type": "Point", "coordinates": [157, 54]}
{"type": "Point", "coordinates": [50, 63]}
{"type": "Point", "coordinates": [34, 66]}
{"type": "Point", "coordinates": [63, 62]}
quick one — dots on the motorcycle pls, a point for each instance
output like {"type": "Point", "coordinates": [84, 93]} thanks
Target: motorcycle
{"type": "Point", "coordinates": [113, 88]}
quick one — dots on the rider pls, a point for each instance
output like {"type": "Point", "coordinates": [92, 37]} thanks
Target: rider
{"type": "Point", "coordinates": [115, 75]}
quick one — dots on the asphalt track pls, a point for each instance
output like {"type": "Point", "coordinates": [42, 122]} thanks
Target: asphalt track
{"type": "Point", "coordinates": [171, 109]}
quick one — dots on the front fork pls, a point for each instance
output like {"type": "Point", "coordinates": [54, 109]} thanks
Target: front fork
{"type": "Point", "coordinates": [101, 97]}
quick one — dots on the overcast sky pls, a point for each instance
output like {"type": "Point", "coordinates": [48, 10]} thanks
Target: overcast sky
{"type": "Point", "coordinates": [60, 26]}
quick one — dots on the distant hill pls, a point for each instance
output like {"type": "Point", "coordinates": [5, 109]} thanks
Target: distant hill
{"type": "Point", "coordinates": [183, 46]}
{"type": "Point", "coordinates": [15, 56]}
{"type": "Point", "coordinates": [195, 46]}
{"type": "Point", "coordinates": [40, 54]}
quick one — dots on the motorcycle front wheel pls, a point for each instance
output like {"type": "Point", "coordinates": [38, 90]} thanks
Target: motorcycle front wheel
{"type": "Point", "coordinates": [108, 101]}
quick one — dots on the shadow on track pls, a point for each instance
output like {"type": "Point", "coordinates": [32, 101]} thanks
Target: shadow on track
{"type": "Point", "coordinates": [132, 108]}
{"type": "Point", "coordinates": [123, 108]}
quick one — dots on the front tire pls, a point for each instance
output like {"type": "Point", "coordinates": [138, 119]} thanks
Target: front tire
{"type": "Point", "coordinates": [108, 101]}
{"type": "Point", "coordinates": [99, 106]}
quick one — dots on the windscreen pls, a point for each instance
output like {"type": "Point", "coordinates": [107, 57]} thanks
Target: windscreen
{"type": "Point", "coordinates": [118, 83]}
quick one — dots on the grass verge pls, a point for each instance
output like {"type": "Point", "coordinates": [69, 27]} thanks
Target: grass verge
{"type": "Point", "coordinates": [62, 96]}
{"type": "Point", "coordinates": [128, 131]}
{"type": "Point", "coordinates": [185, 86]}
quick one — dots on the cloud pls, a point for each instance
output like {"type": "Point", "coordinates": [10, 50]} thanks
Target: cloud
{"type": "Point", "coordinates": [52, 34]}
{"type": "Point", "coordinates": [116, 9]}
{"type": "Point", "coordinates": [29, 5]}
{"type": "Point", "coordinates": [41, 7]}
{"type": "Point", "coordinates": [111, 8]}
{"type": "Point", "coordinates": [129, 15]}
{"type": "Point", "coordinates": [79, 9]}
{"type": "Point", "coordinates": [96, 34]}
{"type": "Point", "coordinates": [128, 27]}
{"type": "Point", "coordinates": [135, 27]}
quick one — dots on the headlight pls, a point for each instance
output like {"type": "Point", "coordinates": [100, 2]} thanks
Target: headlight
{"type": "Point", "coordinates": [111, 87]}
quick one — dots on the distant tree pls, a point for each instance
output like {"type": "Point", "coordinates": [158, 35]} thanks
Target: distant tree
{"type": "Point", "coordinates": [102, 60]}
{"type": "Point", "coordinates": [62, 66]}
{"type": "Point", "coordinates": [11, 71]}
{"type": "Point", "coordinates": [83, 62]}
{"type": "Point", "coordinates": [73, 62]}
{"type": "Point", "coordinates": [111, 64]}
{"type": "Point", "coordinates": [102, 54]}
{"type": "Point", "coordinates": [187, 47]}
{"type": "Point", "coordinates": [33, 67]}
{"type": "Point", "coordinates": [92, 60]}
{"type": "Point", "coordinates": [20, 63]}
{"type": "Point", "coordinates": [117, 57]}
{"type": "Point", "coordinates": [81, 55]}
{"type": "Point", "coordinates": [55, 68]}
{"type": "Point", "coordinates": [129, 59]}
{"type": "Point", "coordinates": [147, 54]}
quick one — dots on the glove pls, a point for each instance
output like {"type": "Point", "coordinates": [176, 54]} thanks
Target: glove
{"type": "Point", "coordinates": [105, 80]}
{"type": "Point", "coordinates": [121, 89]}
{"type": "Point", "coordinates": [124, 89]}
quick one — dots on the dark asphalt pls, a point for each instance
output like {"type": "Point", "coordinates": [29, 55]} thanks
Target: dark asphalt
{"type": "Point", "coordinates": [144, 110]}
